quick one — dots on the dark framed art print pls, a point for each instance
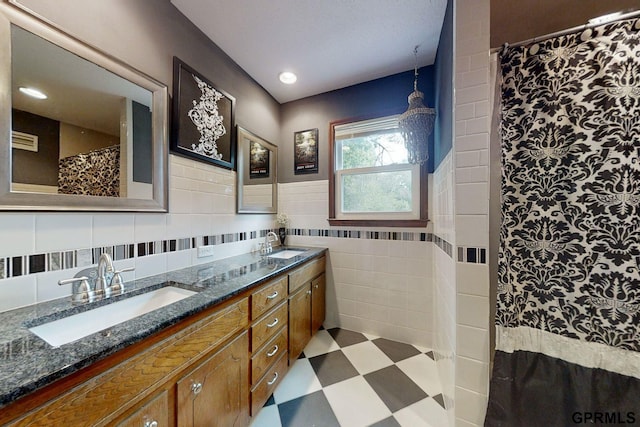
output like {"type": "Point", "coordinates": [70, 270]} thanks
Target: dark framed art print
{"type": "Point", "coordinates": [305, 151]}
{"type": "Point", "coordinates": [258, 160]}
{"type": "Point", "coordinates": [202, 122]}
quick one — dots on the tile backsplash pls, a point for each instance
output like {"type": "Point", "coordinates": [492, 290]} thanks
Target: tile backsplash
{"type": "Point", "coordinates": [21, 265]}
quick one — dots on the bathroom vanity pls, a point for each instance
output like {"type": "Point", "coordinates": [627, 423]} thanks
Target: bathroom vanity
{"type": "Point", "coordinates": [212, 358]}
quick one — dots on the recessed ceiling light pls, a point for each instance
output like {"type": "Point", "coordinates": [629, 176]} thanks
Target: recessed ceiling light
{"type": "Point", "coordinates": [287, 77]}
{"type": "Point", "coordinates": [33, 92]}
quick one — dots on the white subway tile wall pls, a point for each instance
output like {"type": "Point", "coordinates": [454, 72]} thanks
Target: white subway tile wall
{"type": "Point", "coordinates": [18, 234]}
{"type": "Point", "coordinates": [444, 281]}
{"type": "Point", "coordinates": [376, 284]}
{"type": "Point", "coordinates": [472, 95]}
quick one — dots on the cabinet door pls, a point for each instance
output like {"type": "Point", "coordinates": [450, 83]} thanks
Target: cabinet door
{"type": "Point", "coordinates": [216, 393]}
{"type": "Point", "coordinates": [153, 414]}
{"type": "Point", "coordinates": [299, 321]}
{"type": "Point", "coordinates": [318, 306]}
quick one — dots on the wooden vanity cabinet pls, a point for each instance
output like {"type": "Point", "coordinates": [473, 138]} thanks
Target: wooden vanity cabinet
{"type": "Point", "coordinates": [216, 368]}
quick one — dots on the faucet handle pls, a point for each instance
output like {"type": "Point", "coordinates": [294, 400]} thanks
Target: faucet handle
{"type": "Point", "coordinates": [80, 291]}
{"type": "Point", "coordinates": [117, 284]}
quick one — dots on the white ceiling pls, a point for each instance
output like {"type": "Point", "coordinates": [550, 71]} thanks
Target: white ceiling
{"type": "Point", "coordinates": [329, 44]}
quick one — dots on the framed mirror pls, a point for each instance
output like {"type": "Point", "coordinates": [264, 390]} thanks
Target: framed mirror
{"type": "Point", "coordinates": [257, 162]}
{"type": "Point", "coordinates": [85, 132]}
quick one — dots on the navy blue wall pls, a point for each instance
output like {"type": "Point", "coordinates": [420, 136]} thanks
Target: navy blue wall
{"type": "Point", "coordinates": [443, 129]}
{"type": "Point", "coordinates": [387, 95]}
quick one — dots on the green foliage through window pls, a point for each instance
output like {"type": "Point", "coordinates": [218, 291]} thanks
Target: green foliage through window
{"type": "Point", "coordinates": [373, 150]}
{"type": "Point", "coordinates": [377, 192]}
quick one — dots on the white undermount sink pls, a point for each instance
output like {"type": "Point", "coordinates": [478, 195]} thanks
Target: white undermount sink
{"type": "Point", "coordinates": [72, 328]}
{"type": "Point", "coordinates": [286, 254]}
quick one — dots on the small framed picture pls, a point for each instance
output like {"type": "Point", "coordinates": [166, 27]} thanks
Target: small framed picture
{"type": "Point", "coordinates": [305, 151]}
{"type": "Point", "coordinates": [202, 122]}
{"type": "Point", "coordinates": [258, 160]}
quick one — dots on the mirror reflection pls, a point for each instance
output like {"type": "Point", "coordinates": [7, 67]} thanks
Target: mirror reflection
{"type": "Point", "coordinates": [256, 172]}
{"type": "Point", "coordinates": [76, 128]}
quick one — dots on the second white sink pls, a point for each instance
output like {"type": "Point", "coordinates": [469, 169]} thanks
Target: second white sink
{"type": "Point", "coordinates": [286, 254]}
{"type": "Point", "coordinates": [72, 328]}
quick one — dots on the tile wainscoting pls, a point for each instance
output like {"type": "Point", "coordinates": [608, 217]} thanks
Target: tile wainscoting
{"type": "Point", "coordinates": [20, 265]}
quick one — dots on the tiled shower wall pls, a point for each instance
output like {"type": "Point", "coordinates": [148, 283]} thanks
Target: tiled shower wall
{"type": "Point", "coordinates": [202, 210]}
{"type": "Point", "coordinates": [445, 280]}
{"type": "Point", "coordinates": [471, 149]}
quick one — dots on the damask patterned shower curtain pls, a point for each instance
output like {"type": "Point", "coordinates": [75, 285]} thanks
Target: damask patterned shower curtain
{"type": "Point", "coordinates": [568, 297]}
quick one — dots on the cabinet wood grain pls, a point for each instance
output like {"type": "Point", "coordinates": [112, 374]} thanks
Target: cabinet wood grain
{"type": "Point", "coordinates": [216, 393]}
{"type": "Point", "coordinates": [268, 384]}
{"type": "Point", "coordinates": [155, 411]}
{"type": "Point", "coordinates": [268, 296]}
{"type": "Point", "coordinates": [318, 302]}
{"type": "Point", "coordinates": [268, 354]}
{"type": "Point", "coordinates": [299, 321]}
{"type": "Point", "coordinates": [305, 273]}
{"type": "Point", "coordinates": [267, 326]}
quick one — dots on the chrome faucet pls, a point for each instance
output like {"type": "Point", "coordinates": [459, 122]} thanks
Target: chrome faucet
{"type": "Point", "coordinates": [105, 269]}
{"type": "Point", "coordinates": [269, 238]}
{"type": "Point", "coordinates": [106, 281]}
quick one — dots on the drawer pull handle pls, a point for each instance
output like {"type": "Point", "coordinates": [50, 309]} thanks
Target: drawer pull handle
{"type": "Point", "coordinates": [275, 378]}
{"type": "Point", "coordinates": [273, 295]}
{"type": "Point", "coordinates": [196, 388]}
{"type": "Point", "coordinates": [153, 423]}
{"type": "Point", "coordinates": [272, 324]}
{"type": "Point", "coordinates": [272, 352]}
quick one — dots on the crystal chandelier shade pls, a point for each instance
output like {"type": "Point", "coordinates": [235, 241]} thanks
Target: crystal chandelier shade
{"type": "Point", "coordinates": [416, 124]}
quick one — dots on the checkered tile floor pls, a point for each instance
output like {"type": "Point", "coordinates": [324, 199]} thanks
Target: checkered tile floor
{"type": "Point", "coordinates": [350, 379]}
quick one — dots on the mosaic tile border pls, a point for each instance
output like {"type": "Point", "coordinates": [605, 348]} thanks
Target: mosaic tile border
{"type": "Point", "coordinates": [361, 234]}
{"type": "Point", "coordinates": [444, 245]}
{"type": "Point", "coordinates": [472, 255]}
{"type": "Point", "coordinates": [21, 265]}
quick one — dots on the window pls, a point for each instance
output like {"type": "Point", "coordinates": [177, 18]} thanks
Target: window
{"type": "Point", "coordinates": [372, 182]}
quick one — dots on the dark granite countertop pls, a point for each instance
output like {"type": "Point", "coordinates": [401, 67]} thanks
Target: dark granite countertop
{"type": "Point", "coordinates": [28, 363]}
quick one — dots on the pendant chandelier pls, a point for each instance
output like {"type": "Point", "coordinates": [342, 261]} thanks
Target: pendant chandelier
{"type": "Point", "coordinates": [416, 124]}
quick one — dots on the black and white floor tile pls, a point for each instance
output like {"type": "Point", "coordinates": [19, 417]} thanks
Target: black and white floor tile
{"type": "Point", "coordinates": [349, 379]}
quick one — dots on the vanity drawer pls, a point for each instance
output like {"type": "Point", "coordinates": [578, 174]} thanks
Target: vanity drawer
{"type": "Point", "coordinates": [261, 392]}
{"type": "Point", "coordinates": [269, 296]}
{"type": "Point", "coordinates": [265, 328]}
{"type": "Point", "coordinates": [304, 274]}
{"type": "Point", "coordinates": [265, 357]}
